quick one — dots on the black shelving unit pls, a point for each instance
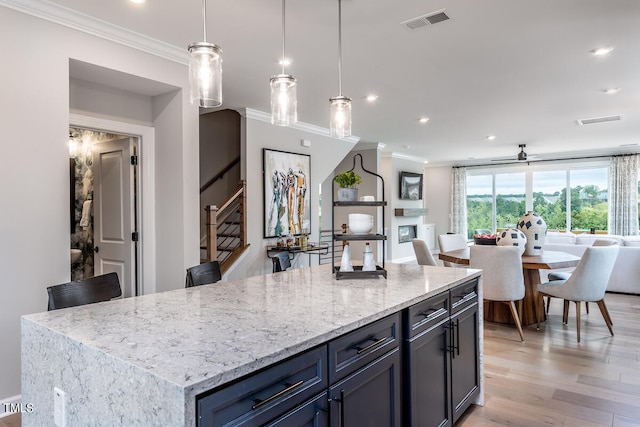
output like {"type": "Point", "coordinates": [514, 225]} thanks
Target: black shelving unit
{"type": "Point", "coordinates": [358, 273]}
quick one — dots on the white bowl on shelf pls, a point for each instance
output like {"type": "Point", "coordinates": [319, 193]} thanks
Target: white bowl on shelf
{"type": "Point", "coordinates": [360, 223]}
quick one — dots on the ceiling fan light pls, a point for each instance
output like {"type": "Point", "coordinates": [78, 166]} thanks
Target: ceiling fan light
{"type": "Point", "coordinates": [284, 103]}
{"type": "Point", "coordinates": [340, 111]}
{"type": "Point", "coordinates": [205, 74]}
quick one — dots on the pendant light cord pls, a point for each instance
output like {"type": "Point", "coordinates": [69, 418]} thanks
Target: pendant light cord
{"type": "Point", "coordinates": [339, 47]}
{"type": "Point", "coordinates": [204, 19]}
{"type": "Point", "coordinates": [283, 26]}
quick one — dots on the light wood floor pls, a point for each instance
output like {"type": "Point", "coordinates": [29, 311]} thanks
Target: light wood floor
{"type": "Point", "coordinates": [552, 380]}
{"type": "Point", "coordinates": [12, 420]}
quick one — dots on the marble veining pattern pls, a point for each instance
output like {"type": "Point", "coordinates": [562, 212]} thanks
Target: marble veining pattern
{"type": "Point", "coordinates": [191, 340]}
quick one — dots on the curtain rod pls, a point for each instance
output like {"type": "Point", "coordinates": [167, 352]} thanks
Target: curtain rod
{"type": "Point", "coordinates": [528, 162]}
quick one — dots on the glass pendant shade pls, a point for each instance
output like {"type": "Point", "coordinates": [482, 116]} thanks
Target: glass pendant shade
{"type": "Point", "coordinates": [205, 74]}
{"type": "Point", "coordinates": [284, 103]}
{"type": "Point", "coordinates": [340, 112]}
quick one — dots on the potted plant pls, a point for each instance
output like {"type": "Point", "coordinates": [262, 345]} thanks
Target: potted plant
{"type": "Point", "coordinates": [347, 182]}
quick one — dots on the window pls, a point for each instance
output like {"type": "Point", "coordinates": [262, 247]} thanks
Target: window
{"type": "Point", "coordinates": [495, 200]}
{"type": "Point", "coordinates": [549, 198]}
{"type": "Point", "coordinates": [589, 199]}
{"type": "Point", "coordinates": [479, 203]}
{"type": "Point", "coordinates": [510, 199]}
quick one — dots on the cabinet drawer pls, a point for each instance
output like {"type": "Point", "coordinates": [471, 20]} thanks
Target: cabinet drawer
{"type": "Point", "coordinates": [314, 413]}
{"type": "Point", "coordinates": [427, 313]}
{"type": "Point", "coordinates": [352, 351]}
{"type": "Point", "coordinates": [263, 396]}
{"type": "Point", "coordinates": [464, 295]}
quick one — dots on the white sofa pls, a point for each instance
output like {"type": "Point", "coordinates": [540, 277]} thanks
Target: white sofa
{"type": "Point", "coordinates": [626, 272]}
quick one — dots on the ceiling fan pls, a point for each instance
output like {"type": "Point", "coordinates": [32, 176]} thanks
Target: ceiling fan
{"type": "Point", "coordinates": [522, 156]}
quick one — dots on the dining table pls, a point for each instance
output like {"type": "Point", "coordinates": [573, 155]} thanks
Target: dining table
{"type": "Point", "coordinates": [531, 266]}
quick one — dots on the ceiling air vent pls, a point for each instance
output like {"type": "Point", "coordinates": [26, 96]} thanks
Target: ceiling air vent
{"type": "Point", "coordinates": [425, 20]}
{"type": "Point", "coordinates": [599, 120]}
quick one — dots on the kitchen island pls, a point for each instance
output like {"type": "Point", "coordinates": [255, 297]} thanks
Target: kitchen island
{"type": "Point", "coordinates": [145, 360]}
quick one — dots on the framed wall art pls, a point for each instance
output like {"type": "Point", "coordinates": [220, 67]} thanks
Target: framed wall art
{"type": "Point", "coordinates": [410, 186]}
{"type": "Point", "coordinates": [287, 201]}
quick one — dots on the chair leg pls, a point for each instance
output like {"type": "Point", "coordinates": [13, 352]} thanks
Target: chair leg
{"type": "Point", "coordinates": [548, 304]}
{"type": "Point", "coordinates": [537, 302]}
{"type": "Point", "coordinates": [516, 319]}
{"type": "Point", "coordinates": [577, 319]}
{"type": "Point", "coordinates": [605, 315]}
{"type": "Point", "coordinates": [586, 304]}
{"type": "Point", "coordinates": [565, 313]}
{"type": "Point", "coordinates": [520, 309]}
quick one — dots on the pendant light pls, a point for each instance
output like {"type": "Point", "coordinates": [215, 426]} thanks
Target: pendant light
{"type": "Point", "coordinates": [284, 105]}
{"type": "Point", "coordinates": [205, 69]}
{"type": "Point", "coordinates": [340, 106]}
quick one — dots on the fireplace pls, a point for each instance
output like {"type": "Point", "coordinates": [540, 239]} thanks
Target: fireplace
{"type": "Point", "coordinates": [406, 233]}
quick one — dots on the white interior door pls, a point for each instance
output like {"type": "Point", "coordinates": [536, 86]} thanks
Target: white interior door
{"type": "Point", "coordinates": [114, 211]}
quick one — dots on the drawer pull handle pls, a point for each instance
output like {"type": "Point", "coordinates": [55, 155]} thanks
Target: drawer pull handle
{"type": "Point", "coordinates": [261, 403]}
{"type": "Point", "coordinates": [372, 345]}
{"type": "Point", "coordinates": [432, 312]}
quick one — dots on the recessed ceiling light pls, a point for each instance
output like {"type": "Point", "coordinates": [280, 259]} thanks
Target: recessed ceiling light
{"type": "Point", "coordinates": [601, 50]}
{"type": "Point", "coordinates": [138, 1]}
{"type": "Point", "coordinates": [286, 62]}
{"type": "Point", "coordinates": [491, 137]}
{"type": "Point", "coordinates": [612, 91]}
{"type": "Point", "coordinates": [424, 119]}
{"type": "Point", "coordinates": [372, 98]}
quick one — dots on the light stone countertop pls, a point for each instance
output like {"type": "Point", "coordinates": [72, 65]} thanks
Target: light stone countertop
{"type": "Point", "coordinates": [184, 342]}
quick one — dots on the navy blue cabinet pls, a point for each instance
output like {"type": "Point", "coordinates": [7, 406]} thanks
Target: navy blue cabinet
{"type": "Point", "coordinates": [260, 398]}
{"type": "Point", "coordinates": [313, 413]}
{"type": "Point", "coordinates": [366, 377]}
{"type": "Point", "coordinates": [441, 357]}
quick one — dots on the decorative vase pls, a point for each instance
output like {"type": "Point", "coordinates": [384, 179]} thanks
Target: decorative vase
{"type": "Point", "coordinates": [347, 194]}
{"type": "Point", "coordinates": [512, 237]}
{"type": "Point", "coordinates": [345, 262]}
{"type": "Point", "coordinates": [534, 227]}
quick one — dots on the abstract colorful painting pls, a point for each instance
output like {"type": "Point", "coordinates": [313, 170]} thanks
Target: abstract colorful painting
{"type": "Point", "coordinates": [287, 199]}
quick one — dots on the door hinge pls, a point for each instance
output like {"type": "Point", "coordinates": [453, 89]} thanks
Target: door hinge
{"type": "Point", "coordinates": [134, 236]}
{"type": "Point", "coordinates": [134, 160]}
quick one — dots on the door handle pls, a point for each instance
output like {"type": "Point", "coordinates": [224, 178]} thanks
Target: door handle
{"type": "Point", "coordinates": [96, 249]}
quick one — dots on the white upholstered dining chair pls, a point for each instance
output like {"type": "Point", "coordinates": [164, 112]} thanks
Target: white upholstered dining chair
{"type": "Point", "coordinates": [564, 275]}
{"type": "Point", "coordinates": [451, 242]}
{"type": "Point", "coordinates": [502, 277]}
{"type": "Point", "coordinates": [588, 283]}
{"type": "Point", "coordinates": [423, 254]}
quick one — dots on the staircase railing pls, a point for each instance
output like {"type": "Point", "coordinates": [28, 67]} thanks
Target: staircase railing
{"type": "Point", "coordinates": [226, 229]}
{"type": "Point", "coordinates": [220, 174]}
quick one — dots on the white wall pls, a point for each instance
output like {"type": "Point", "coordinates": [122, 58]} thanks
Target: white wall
{"type": "Point", "coordinates": [34, 249]}
{"type": "Point", "coordinates": [437, 197]}
{"type": "Point", "coordinates": [325, 154]}
{"type": "Point", "coordinates": [391, 168]}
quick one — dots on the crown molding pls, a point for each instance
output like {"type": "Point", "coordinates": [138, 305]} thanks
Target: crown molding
{"type": "Point", "coordinates": [395, 155]}
{"type": "Point", "coordinates": [305, 127]}
{"type": "Point", "coordinates": [75, 20]}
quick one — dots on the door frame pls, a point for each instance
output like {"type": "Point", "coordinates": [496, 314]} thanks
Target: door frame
{"type": "Point", "coordinates": [146, 202]}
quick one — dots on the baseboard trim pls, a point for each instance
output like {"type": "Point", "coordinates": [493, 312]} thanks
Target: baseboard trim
{"type": "Point", "coordinates": [8, 400]}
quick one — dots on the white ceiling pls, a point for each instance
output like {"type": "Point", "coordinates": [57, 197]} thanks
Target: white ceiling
{"type": "Point", "coordinates": [519, 69]}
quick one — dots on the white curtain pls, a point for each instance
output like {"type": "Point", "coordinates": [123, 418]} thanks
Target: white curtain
{"type": "Point", "coordinates": [459, 201]}
{"type": "Point", "coordinates": [623, 195]}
